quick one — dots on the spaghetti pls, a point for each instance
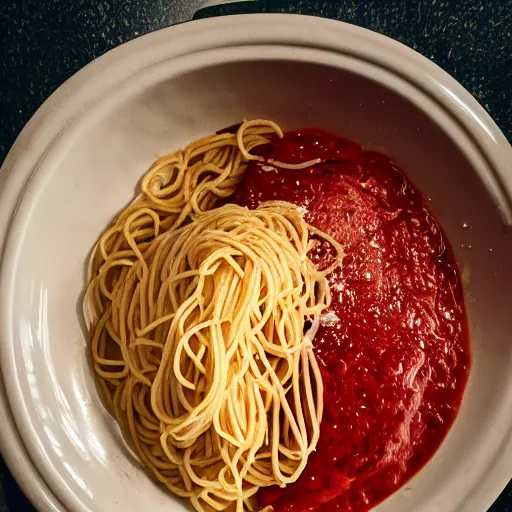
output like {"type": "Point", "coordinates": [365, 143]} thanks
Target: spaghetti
{"type": "Point", "coordinates": [201, 325]}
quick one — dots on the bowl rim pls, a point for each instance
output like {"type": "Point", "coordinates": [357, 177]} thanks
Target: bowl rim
{"type": "Point", "coordinates": [67, 105]}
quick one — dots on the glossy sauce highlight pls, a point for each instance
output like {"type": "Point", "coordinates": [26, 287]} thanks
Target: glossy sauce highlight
{"type": "Point", "coordinates": [394, 349]}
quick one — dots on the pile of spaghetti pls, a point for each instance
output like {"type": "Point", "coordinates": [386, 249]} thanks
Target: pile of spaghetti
{"type": "Point", "coordinates": [201, 325]}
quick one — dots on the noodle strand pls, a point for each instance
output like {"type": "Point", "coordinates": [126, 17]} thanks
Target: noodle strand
{"type": "Point", "coordinates": [201, 324]}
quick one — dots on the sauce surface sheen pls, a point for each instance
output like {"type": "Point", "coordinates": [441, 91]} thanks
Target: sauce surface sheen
{"type": "Point", "coordinates": [394, 349]}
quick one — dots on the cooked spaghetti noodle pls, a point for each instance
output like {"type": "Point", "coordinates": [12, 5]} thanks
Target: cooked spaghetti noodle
{"type": "Point", "coordinates": [202, 322]}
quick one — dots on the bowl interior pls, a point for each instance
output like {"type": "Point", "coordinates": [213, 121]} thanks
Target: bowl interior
{"type": "Point", "coordinates": [91, 173]}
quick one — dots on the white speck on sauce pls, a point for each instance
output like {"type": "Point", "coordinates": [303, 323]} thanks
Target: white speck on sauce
{"type": "Point", "coordinates": [329, 318]}
{"type": "Point", "coordinates": [302, 210]}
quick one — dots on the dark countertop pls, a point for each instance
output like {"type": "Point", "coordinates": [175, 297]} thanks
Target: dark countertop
{"type": "Point", "coordinates": [44, 42]}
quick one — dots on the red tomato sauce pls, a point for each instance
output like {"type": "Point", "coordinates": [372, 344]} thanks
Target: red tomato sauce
{"type": "Point", "coordinates": [395, 357]}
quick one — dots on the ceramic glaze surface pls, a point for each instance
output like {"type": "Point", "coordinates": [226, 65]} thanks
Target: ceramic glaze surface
{"type": "Point", "coordinates": [77, 163]}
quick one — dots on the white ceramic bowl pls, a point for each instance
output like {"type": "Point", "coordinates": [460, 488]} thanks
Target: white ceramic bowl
{"type": "Point", "coordinates": [77, 161]}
